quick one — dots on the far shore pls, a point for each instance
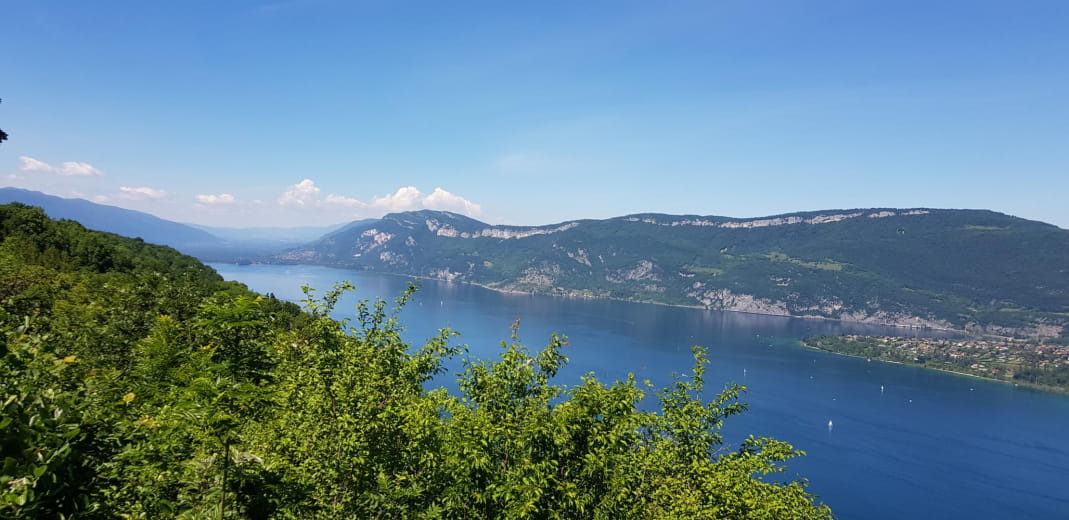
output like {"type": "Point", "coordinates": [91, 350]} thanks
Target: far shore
{"type": "Point", "coordinates": [633, 300]}
{"type": "Point", "coordinates": [1032, 386]}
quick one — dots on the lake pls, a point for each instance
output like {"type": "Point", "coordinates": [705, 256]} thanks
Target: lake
{"type": "Point", "coordinates": [906, 442]}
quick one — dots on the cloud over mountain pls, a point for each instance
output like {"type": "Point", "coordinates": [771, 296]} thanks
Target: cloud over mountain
{"type": "Point", "coordinates": [306, 194]}
{"type": "Point", "coordinates": [222, 198]}
{"type": "Point", "coordinates": [302, 194]}
{"type": "Point", "coordinates": [140, 193]}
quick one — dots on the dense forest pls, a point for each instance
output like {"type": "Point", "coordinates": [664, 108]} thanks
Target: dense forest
{"type": "Point", "coordinates": [136, 383]}
{"type": "Point", "coordinates": [979, 270]}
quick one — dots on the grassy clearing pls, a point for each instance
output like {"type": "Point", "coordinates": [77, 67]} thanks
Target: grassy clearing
{"type": "Point", "coordinates": [827, 265]}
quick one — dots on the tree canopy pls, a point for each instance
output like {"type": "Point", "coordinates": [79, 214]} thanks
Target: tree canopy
{"type": "Point", "coordinates": [135, 383]}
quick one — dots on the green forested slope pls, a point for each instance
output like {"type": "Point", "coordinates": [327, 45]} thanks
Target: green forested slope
{"type": "Point", "coordinates": [113, 219]}
{"type": "Point", "coordinates": [923, 267]}
{"type": "Point", "coordinates": [136, 384]}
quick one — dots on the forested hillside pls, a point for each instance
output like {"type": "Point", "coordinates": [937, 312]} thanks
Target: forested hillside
{"type": "Point", "coordinates": [955, 269]}
{"type": "Point", "coordinates": [135, 383]}
{"type": "Point", "coordinates": [113, 219]}
{"type": "Point", "coordinates": [209, 244]}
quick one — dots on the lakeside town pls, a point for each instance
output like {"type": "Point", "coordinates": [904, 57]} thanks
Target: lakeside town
{"type": "Point", "coordinates": [1029, 363]}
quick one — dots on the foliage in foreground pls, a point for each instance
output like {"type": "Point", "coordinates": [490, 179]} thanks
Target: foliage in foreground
{"type": "Point", "coordinates": [195, 398]}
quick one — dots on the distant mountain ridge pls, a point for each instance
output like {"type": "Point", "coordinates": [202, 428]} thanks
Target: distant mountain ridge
{"type": "Point", "coordinates": [955, 269]}
{"type": "Point", "coordinates": [205, 242]}
{"type": "Point", "coordinates": [277, 235]}
{"type": "Point", "coordinates": [100, 217]}
{"type": "Point", "coordinates": [941, 268]}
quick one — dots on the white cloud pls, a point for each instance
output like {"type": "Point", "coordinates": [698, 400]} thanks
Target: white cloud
{"type": "Point", "coordinates": [222, 198]}
{"type": "Point", "coordinates": [405, 199]}
{"type": "Point", "coordinates": [79, 169]}
{"type": "Point", "coordinates": [409, 198]}
{"type": "Point", "coordinates": [306, 195]}
{"type": "Point", "coordinates": [340, 201]}
{"type": "Point", "coordinates": [29, 164]}
{"type": "Point", "coordinates": [67, 169]}
{"type": "Point", "coordinates": [140, 193]}
{"type": "Point", "coordinates": [443, 200]}
{"type": "Point", "coordinates": [302, 194]}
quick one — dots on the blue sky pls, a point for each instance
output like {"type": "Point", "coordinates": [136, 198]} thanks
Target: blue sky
{"type": "Point", "coordinates": [309, 112]}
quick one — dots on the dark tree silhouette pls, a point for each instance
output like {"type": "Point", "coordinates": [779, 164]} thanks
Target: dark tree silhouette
{"type": "Point", "coordinates": [3, 134]}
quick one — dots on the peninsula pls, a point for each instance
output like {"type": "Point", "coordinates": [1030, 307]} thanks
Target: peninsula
{"type": "Point", "coordinates": [1035, 364]}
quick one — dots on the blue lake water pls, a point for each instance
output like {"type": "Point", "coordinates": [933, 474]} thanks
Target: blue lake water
{"type": "Point", "coordinates": [926, 445]}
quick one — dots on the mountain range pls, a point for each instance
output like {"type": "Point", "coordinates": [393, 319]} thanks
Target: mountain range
{"type": "Point", "coordinates": [921, 267]}
{"type": "Point", "coordinates": [208, 243]}
{"type": "Point", "coordinates": [974, 270]}
{"type": "Point", "coordinates": [113, 219]}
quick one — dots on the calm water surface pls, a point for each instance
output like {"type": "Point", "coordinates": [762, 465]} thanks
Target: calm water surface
{"type": "Point", "coordinates": [906, 442]}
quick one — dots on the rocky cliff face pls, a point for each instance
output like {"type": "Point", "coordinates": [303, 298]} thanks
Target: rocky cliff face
{"type": "Point", "coordinates": [502, 232]}
{"type": "Point", "coordinates": [777, 221]}
{"type": "Point", "coordinates": [913, 267]}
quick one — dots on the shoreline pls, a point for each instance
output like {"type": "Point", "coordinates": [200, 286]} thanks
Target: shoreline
{"type": "Point", "coordinates": [961, 331]}
{"type": "Point", "coordinates": [666, 304]}
{"type": "Point", "coordinates": [1030, 386]}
